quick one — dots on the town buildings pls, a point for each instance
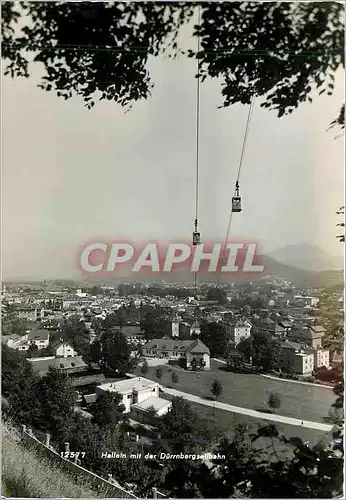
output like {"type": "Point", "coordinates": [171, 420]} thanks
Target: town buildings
{"type": "Point", "coordinates": [321, 358]}
{"type": "Point", "coordinates": [66, 365]}
{"type": "Point", "coordinates": [31, 313]}
{"type": "Point", "coordinates": [40, 338]}
{"type": "Point", "coordinates": [195, 329]}
{"type": "Point", "coordinates": [309, 336]}
{"type": "Point", "coordinates": [139, 396]}
{"type": "Point", "coordinates": [62, 349]}
{"type": "Point", "coordinates": [240, 331]}
{"type": "Point", "coordinates": [190, 352]}
{"type": "Point", "coordinates": [295, 359]}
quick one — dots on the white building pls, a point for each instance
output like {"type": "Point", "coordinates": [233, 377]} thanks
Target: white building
{"type": "Point", "coordinates": [40, 338]}
{"type": "Point", "coordinates": [195, 329]}
{"type": "Point", "coordinates": [193, 353]}
{"type": "Point", "coordinates": [63, 349]}
{"type": "Point", "coordinates": [139, 395]}
{"type": "Point", "coordinates": [321, 358]}
{"type": "Point", "coordinates": [175, 329]}
{"type": "Point", "coordinates": [295, 358]}
{"type": "Point", "coordinates": [303, 363]}
{"type": "Point", "coordinates": [31, 313]}
{"type": "Point", "coordinates": [241, 331]}
{"type": "Point", "coordinates": [309, 301]}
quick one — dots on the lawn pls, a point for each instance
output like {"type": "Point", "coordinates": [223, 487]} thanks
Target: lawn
{"type": "Point", "coordinates": [226, 421]}
{"type": "Point", "coordinates": [251, 391]}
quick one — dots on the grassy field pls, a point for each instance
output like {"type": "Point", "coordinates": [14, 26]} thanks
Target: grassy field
{"type": "Point", "coordinates": [226, 421]}
{"type": "Point", "coordinates": [251, 391]}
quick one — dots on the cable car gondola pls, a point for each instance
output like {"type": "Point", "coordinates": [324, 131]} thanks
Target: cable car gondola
{"type": "Point", "coordinates": [196, 236]}
{"type": "Point", "coordinates": [236, 200]}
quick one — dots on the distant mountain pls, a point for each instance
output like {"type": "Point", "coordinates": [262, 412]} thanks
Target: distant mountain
{"type": "Point", "coordinates": [308, 257]}
{"type": "Point", "coordinates": [300, 277]}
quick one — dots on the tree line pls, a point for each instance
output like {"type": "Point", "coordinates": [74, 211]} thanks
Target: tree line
{"type": "Point", "coordinates": [47, 404]}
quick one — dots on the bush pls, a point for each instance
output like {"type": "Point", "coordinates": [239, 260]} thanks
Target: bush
{"type": "Point", "coordinates": [274, 401]}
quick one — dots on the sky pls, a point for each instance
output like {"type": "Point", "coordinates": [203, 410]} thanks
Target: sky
{"type": "Point", "coordinates": [71, 176]}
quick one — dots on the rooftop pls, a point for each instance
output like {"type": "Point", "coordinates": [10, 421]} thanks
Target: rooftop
{"type": "Point", "coordinates": [317, 329]}
{"type": "Point", "coordinates": [195, 346]}
{"type": "Point", "coordinates": [153, 402]}
{"type": "Point", "coordinates": [129, 385]}
{"type": "Point", "coordinates": [97, 378]}
{"type": "Point", "coordinates": [291, 345]}
{"type": "Point", "coordinates": [42, 365]}
{"type": "Point", "coordinates": [38, 335]}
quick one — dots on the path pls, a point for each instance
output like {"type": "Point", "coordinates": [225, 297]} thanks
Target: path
{"type": "Point", "coordinates": [284, 379]}
{"type": "Point", "coordinates": [297, 381]}
{"type": "Point", "coordinates": [251, 413]}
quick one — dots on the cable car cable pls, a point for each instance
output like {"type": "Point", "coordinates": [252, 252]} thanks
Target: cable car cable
{"type": "Point", "coordinates": [246, 134]}
{"type": "Point", "coordinates": [197, 129]}
{"type": "Point", "coordinates": [196, 234]}
{"type": "Point", "coordinates": [248, 123]}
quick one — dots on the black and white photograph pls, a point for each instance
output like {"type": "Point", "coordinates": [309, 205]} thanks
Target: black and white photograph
{"type": "Point", "coordinates": [172, 249]}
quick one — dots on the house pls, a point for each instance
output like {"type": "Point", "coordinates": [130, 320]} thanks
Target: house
{"type": "Point", "coordinates": [279, 330]}
{"type": "Point", "coordinates": [286, 325]}
{"type": "Point", "coordinates": [317, 334]}
{"type": "Point", "coordinates": [139, 395]}
{"type": "Point", "coordinates": [310, 336]}
{"type": "Point", "coordinates": [40, 338]}
{"type": "Point", "coordinates": [321, 358]}
{"type": "Point", "coordinates": [188, 351]}
{"type": "Point", "coordinates": [134, 334]}
{"type": "Point", "coordinates": [175, 328]}
{"type": "Point", "coordinates": [62, 349]}
{"type": "Point", "coordinates": [31, 313]}
{"type": "Point", "coordinates": [295, 359]}
{"type": "Point", "coordinates": [66, 365]}
{"type": "Point", "coordinates": [240, 331]}
{"type": "Point", "coordinates": [308, 301]}
{"type": "Point", "coordinates": [13, 340]}
{"type": "Point", "coordinates": [303, 363]}
{"type": "Point", "coordinates": [198, 355]}
{"type": "Point", "coordinates": [195, 329]}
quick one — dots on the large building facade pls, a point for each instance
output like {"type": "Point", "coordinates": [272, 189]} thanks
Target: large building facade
{"type": "Point", "coordinates": [240, 331]}
{"type": "Point", "coordinates": [193, 353]}
{"type": "Point", "coordinates": [139, 396]}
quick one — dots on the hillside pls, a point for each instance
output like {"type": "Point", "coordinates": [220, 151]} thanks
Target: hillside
{"type": "Point", "coordinates": [26, 474]}
{"type": "Point", "coordinates": [307, 257]}
{"type": "Point", "coordinates": [30, 469]}
{"type": "Point", "coordinates": [300, 277]}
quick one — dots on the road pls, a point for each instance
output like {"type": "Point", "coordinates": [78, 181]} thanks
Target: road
{"type": "Point", "coordinates": [251, 413]}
